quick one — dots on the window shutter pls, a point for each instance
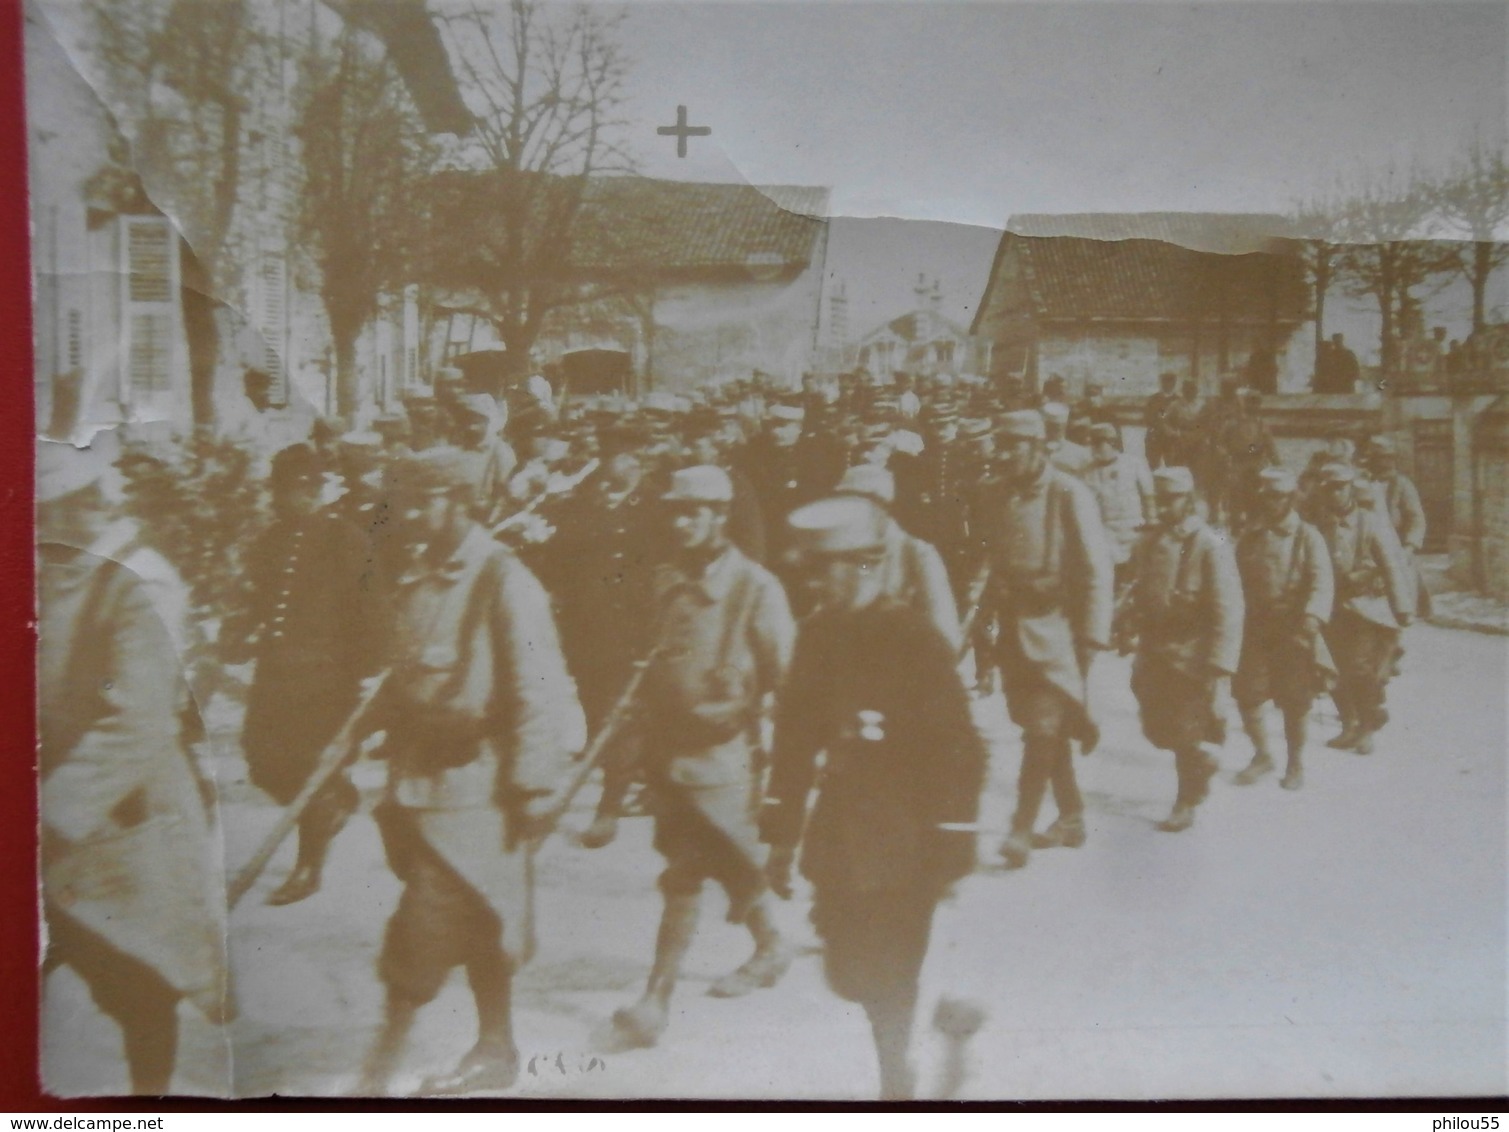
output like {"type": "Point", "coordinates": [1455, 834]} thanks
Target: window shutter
{"type": "Point", "coordinates": [150, 312]}
{"type": "Point", "coordinates": [272, 319]}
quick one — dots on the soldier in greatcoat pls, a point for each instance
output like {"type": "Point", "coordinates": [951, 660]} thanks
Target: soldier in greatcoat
{"type": "Point", "coordinates": [1185, 607]}
{"type": "Point", "coordinates": [911, 570]}
{"type": "Point", "coordinates": [723, 639]}
{"type": "Point", "coordinates": [1123, 490]}
{"type": "Point", "coordinates": [312, 618]}
{"type": "Point", "coordinates": [599, 565]}
{"type": "Point", "coordinates": [1064, 454]}
{"type": "Point", "coordinates": [1051, 595]}
{"type": "Point", "coordinates": [1248, 448]}
{"type": "Point", "coordinates": [873, 685]}
{"type": "Point", "coordinates": [1399, 499]}
{"type": "Point", "coordinates": [1288, 591]}
{"type": "Point", "coordinates": [946, 479]}
{"type": "Point", "coordinates": [1374, 602]}
{"type": "Point", "coordinates": [1160, 443]}
{"type": "Point", "coordinates": [132, 892]}
{"type": "Point", "coordinates": [481, 719]}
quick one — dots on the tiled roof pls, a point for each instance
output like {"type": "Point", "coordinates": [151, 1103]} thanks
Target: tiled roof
{"type": "Point", "coordinates": [1229, 232]}
{"type": "Point", "coordinates": [1195, 264]}
{"type": "Point", "coordinates": [635, 222]}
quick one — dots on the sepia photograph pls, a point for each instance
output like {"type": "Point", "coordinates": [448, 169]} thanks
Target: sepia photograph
{"type": "Point", "coordinates": [758, 550]}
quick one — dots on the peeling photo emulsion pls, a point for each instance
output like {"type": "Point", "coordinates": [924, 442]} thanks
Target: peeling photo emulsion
{"type": "Point", "coordinates": [762, 551]}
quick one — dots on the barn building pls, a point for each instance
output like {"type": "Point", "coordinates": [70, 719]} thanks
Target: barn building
{"type": "Point", "coordinates": [1121, 298]}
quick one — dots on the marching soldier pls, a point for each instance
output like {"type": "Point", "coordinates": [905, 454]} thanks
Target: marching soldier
{"type": "Point", "coordinates": [705, 445]}
{"type": "Point", "coordinates": [1051, 592]}
{"type": "Point", "coordinates": [426, 424]}
{"type": "Point", "coordinates": [1288, 590]}
{"type": "Point", "coordinates": [1063, 453]}
{"type": "Point", "coordinates": [479, 714]}
{"type": "Point", "coordinates": [1399, 499]}
{"type": "Point", "coordinates": [312, 619]}
{"type": "Point", "coordinates": [478, 421]}
{"type": "Point", "coordinates": [1374, 602]}
{"type": "Point", "coordinates": [1123, 490]}
{"type": "Point", "coordinates": [1159, 444]}
{"type": "Point", "coordinates": [1181, 434]}
{"type": "Point", "coordinates": [599, 564]}
{"type": "Point", "coordinates": [873, 684]}
{"type": "Point", "coordinates": [1186, 608]}
{"type": "Point", "coordinates": [911, 570]}
{"type": "Point", "coordinates": [1248, 448]}
{"type": "Point", "coordinates": [724, 638]}
{"type": "Point", "coordinates": [941, 514]}
{"type": "Point", "coordinates": [131, 889]}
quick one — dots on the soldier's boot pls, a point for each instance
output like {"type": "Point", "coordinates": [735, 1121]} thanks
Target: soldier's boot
{"type": "Point", "coordinates": [1371, 720]}
{"type": "Point", "coordinates": [891, 1025]}
{"type": "Point", "coordinates": [640, 1026]}
{"type": "Point", "coordinates": [1347, 738]}
{"type": "Point", "coordinates": [382, 1059]}
{"type": "Point", "coordinates": [1038, 768]}
{"type": "Point", "coordinates": [1262, 761]}
{"type": "Point", "coordinates": [602, 831]}
{"type": "Point", "coordinates": [770, 961]}
{"type": "Point", "coordinates": [1180, 818]}
{"type": "Point", "coordinates": [326, 816]}
{"type": "Point", "coordinates": [1068, 831]}
{"type": "Point", "coordinates": [491, 1065]}
{"type": "Point", "coordinates": [1194, 768]}
{"type": "Point", "coordinates": [1296, 729]}
{"type": "Point", "coordinates": [1016, 850]}
{"type": "Point", "coordinates": [604, 827]}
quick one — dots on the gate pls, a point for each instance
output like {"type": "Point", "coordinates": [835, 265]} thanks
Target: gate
{"type": "Point", "coordinates": [1434, 476]}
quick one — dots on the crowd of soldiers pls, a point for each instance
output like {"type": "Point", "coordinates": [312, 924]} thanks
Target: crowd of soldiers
{"type": "Point", "coordinates": [744, 598]}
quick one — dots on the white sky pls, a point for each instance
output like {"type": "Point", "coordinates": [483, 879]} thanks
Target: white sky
{"type": "Point", "coordinates": [972, 112]}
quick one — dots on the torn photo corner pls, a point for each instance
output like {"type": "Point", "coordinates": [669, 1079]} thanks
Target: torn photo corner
{"type": "Point", "coordinates": [582, 549]}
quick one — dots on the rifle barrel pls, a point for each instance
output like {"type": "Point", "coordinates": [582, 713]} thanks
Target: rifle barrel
{"type": "Point", "coordinates": [335, 755]}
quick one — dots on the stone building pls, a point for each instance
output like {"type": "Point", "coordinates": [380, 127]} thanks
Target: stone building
{"type": "Point", "coordinates": [1121, 298]}
{"type": "Point", "coordinates": [680, 282]}
{"type": "Point", "coordinates": [921, 342]}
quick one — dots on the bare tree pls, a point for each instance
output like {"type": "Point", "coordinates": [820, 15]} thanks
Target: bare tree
{"type": "Point", "coordinates": [1385, 222]}
{"type": "Point", "coordinates": [1319, 225]}
{"type": "Point", "coordinates": [548, 87]}
{"type": "Point", "coordinates": [1473, 198]}
{"type": "Point", "coordinates": [182, 74]}
{"type": "Point", "coordinates": [363, 151]}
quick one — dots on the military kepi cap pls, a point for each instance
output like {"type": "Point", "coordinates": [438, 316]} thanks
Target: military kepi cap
{"type": "Point", "coordinates": [704, 483]}
{"type": "Point", "coordinates": [1337, 473]}
{"type": "Point", "coordinates": [871, 481]}
{"type": "Point", "coordinates": [1104, 430]}
{"type": "Point", "coordinates": [1280, 481]}
{"type": "Point", "coordinates": [1024, 423]}
{"type": "Point", "coordinates": [1174, 481]}
{"type": "Point", "coordinates": [843, 525]}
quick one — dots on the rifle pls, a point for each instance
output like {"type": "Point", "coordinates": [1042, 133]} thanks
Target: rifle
{"type": "Point", "coordinates": [564, 486]}
{"type": "Point", "coordinates": [622, 710]}
{"type": "Point", "coordinates": [337, 753]}
{"type": "Point", "coordinates": [976, 601]}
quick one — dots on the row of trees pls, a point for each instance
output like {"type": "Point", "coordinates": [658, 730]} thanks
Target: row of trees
{"type": "Point", "coordinates": [317, 98]}
{"type": "Point", "coordinates": [1394, 237]}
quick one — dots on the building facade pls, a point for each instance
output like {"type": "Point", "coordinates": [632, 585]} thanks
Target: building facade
{"type": "Point", "coordinates": [1122, 298]}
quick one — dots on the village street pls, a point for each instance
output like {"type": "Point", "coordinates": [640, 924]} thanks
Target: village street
{"type": "Point", "coordinates": [1348, 940]}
